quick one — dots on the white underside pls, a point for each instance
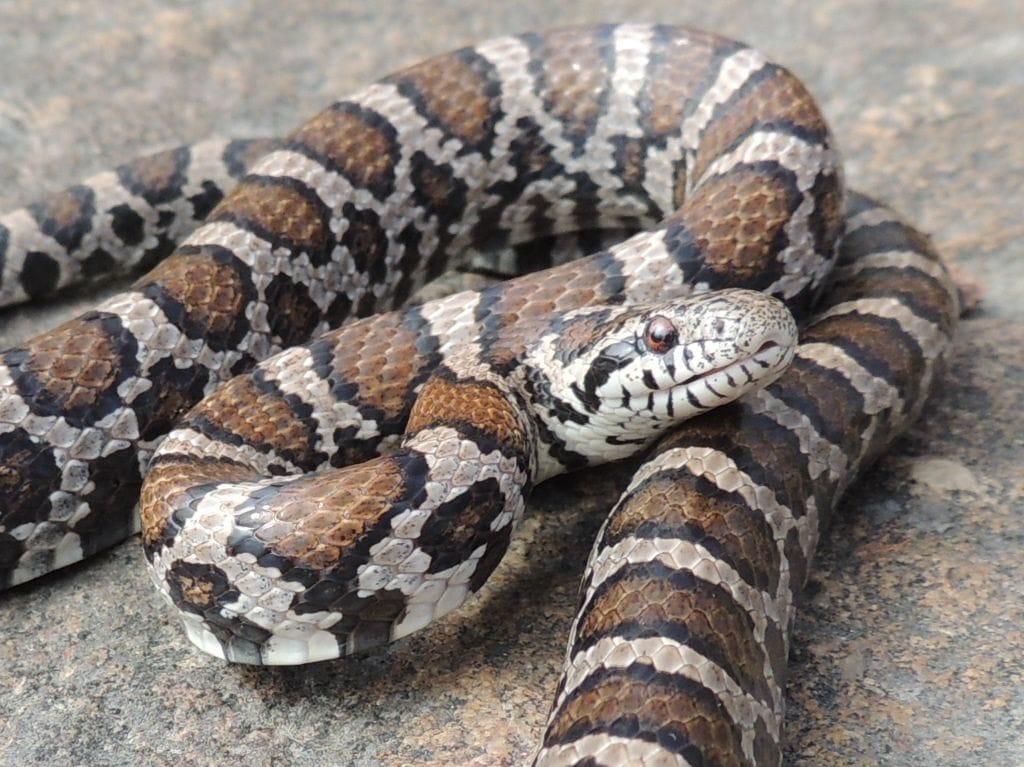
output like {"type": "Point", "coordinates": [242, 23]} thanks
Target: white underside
{"type": "Point", "coordinates": [276, 651]}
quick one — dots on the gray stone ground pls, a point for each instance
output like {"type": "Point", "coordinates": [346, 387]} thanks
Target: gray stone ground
{"type": "Point", "coordinates": [909, 649]}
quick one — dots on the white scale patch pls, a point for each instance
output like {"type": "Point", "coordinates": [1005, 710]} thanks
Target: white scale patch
{"type": "Point", "coordinates": [520, 99]}
{"type": "Point", "coordinates": [881, 399]}
{"type": "Point", "coordinates": [802, 264]}
{"type": "Point", "coordinates": [262, 259]}
{"type": "Point", "coordinates": [13, 408]}
{"type": "Point", "coordinates": [206, 165]}
{"type": "Point", "coordinates": [415, 135]}
{"type": "Point", "coordinates": [806, 161]}
{"type": "Point", "coordinates": [40, 557]}
{"type": "Point", "coordinates": [341, 275]}
{"type": "Point", "coordinates": [733, 73]}
{"type": "Point", "coordinates": [452, 320]}
{"type": "Point", "coordinates": [873, 216]}
{"type": "Point", "coordinates": [879, 395]}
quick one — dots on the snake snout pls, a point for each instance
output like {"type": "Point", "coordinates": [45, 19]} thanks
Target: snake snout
{"type": "Point", "coordinates": [761, 321]}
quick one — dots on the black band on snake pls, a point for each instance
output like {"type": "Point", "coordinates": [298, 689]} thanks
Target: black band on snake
{"type": "Point", "coordinates": [271, 519]}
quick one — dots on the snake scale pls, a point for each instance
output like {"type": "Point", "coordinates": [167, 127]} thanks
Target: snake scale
{"type": "Point", "coordinates": [286, 516]}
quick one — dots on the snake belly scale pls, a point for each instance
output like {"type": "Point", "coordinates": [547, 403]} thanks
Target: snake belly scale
{"type": "Point", "coordinates": [721, 160]}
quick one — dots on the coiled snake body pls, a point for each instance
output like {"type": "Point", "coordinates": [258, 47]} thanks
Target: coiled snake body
{"type": "Point", "coordinates": [719, 156]}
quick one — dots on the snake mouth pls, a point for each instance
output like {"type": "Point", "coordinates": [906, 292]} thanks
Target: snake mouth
{"type": "Point", "coordinates": [767, 355]}
{"type": "Point", "coordinates": [768, 362]}
{"type": "Point", "coordinates": [772, 353]}
{"type": "Point", "coordinates": [721, 385]}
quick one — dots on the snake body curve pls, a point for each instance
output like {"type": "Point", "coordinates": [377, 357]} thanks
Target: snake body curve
{"type": "Point", "coordinates": [720, 154]}
{"type": "Point", "coordinates": [678, 652]}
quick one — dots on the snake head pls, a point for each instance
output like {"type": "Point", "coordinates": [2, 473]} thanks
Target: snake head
{"type": "Point", "coordinates": [625, 374]}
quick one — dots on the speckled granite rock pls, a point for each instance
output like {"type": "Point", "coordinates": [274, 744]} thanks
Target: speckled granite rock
{"type": "Point", "coordinates": [909, 649]}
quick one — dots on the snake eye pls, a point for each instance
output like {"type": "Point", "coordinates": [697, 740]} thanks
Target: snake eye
{"type": "Point", "coordinates": [660, 335]}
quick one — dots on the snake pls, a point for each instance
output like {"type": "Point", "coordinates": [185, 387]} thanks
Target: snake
{"type": "Point", "coordinates": [320, 471]}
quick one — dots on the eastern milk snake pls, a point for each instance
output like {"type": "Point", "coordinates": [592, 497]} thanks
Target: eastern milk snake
{"type": "Point", "coordinates": [274, 554]}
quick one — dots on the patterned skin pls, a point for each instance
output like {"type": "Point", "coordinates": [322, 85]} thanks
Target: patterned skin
{"type": "Point", "coordinates": [339, 560]}
{"type": "Point", "coordinates": [719, 151]}
{"type": "Point", "coordinates": [678, 653]}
